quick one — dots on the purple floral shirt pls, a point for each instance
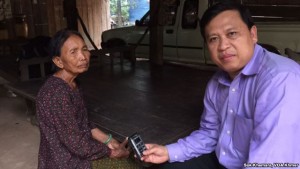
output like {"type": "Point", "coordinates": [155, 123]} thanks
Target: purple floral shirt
{"type": "Point", "coordinates": [66, 139]}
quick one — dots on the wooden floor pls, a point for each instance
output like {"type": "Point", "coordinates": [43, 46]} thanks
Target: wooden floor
{"type": "Point", "coordinates": [161, 103]}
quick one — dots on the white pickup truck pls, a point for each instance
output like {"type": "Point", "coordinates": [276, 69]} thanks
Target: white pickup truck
{"type": "Point", "coordinates": [182, 41]}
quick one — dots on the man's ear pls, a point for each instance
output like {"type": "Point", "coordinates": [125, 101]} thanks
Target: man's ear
{"type": "Point", "coordinates": [57, 61]}
{"type": "Point", "coordinates": [253, 32]}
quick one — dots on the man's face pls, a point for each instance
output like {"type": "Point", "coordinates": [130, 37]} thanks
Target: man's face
{"type": "Point", "coordinates": [230, 42]}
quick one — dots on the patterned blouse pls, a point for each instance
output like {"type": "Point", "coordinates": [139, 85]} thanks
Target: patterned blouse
{"type": "Point", "coordinates": [66, 139]}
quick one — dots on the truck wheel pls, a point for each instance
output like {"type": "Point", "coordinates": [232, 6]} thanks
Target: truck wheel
{"type": "Point", "coordinates": [115, 42]}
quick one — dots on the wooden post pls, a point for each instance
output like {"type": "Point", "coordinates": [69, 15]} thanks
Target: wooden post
{"type": "Point", "coordinates": [70, 13]}
{"type": "Point", "coordinates": [156, 34]}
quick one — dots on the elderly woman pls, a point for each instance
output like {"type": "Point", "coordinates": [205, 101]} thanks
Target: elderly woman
{"type": "Point", "coordinates": [68, 140]}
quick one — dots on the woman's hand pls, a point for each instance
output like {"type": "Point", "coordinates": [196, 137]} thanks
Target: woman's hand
{"type": "Point", "coordinates": [113, 144]}
{"type": "Point", "coordinates": [118, 150]}
{"type": "Point", "coordinates": [155, 154]}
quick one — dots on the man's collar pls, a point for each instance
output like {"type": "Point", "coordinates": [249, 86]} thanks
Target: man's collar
{"type": "Point", "coordinates": [252, 67]}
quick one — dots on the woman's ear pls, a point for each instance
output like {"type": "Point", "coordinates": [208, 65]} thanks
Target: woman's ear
{"type": "Point", "coordinates": [57, 61]}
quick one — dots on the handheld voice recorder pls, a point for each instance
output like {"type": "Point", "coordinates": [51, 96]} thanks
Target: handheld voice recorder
{"type": "Point", "coordinates": [137, 144]}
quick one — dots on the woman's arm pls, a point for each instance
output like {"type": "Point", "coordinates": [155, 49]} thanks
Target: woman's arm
{"type": "Point", "coordinates": [117, 149]}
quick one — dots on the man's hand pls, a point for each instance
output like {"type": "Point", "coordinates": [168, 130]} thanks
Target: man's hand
{"type": "Point", "coordinates": [155, 154]}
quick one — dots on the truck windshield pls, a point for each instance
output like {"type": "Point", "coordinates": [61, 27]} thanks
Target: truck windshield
{"type": "Point", "coordinates": [144, 21]}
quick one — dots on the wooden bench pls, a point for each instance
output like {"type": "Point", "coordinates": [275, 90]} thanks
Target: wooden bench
{"type": "Point", "coordinates": [33, 72]}
{"type": "Point", "coordinates": [35, 68]}
{"type": "Point", "coordinates": [115, 52]}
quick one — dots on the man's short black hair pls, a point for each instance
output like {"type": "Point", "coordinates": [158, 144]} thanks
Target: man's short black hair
{"type": "Point", "coordinates": [217, 8]}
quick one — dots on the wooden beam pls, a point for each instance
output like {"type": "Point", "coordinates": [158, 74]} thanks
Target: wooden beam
{"type": "Point", "coordinates": [70, 12]}
{"type": "Point", "coordinates": [156, 34]}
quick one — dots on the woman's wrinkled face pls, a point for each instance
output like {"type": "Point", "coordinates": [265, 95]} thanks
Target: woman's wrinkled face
{"type": "Point", "coordinates": [230, 42]}
{"type": "Point", "coordinates": [75, 56]}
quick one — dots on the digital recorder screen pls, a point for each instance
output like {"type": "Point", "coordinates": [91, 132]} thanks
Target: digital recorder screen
{"type": "Point", "coordinates": [137, 140]}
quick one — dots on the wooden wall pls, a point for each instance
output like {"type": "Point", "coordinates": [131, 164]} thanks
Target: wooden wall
{"type": "Point", "coordinates": [95, 14]}
{"type": "Point", "coordinates": [45, 17]}
{"type": "Point", "coordinates": [55, 15]}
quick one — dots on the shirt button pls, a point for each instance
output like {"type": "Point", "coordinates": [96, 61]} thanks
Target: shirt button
{"type": "Point", "coordinates": [176, 156]}
{"type": "Point", "coordinates": [233, 89]}
{"type": "Point", "coordinates": [228, 132]}
{"type": "Point", "coordinates": [230, 111]}
{"type": "Point", "coordinates": [223, 153]}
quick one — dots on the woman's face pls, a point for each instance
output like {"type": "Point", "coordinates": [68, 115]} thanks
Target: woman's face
{"type": "Point", "coordinates": [75, 56]}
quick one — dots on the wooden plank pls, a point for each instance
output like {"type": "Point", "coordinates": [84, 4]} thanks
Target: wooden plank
{"type": "Point", "coordinates": [70, 9]}
{"type": "Point", "coordinates": [156, 34]}
{"type": "Point", "coordinates": [80, 12]}
{"type": "Point", "coordinates": [42, 24]}
{"type": "Point", "coordinates": [90, 21]}
{"type": "Point", "coordinates": [62, 18]}
{"type": "Point", "coordinates": [28, 11]}
{"type": "Point", "coordinates": [96, 17]}
{"type": "Point", "coordinates": [84, 16]}
{"type": "Point", "coordinates": [51, 19]}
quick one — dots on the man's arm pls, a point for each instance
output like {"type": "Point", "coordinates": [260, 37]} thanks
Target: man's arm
{"type": "Point", "coordinates": [276, 121]}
